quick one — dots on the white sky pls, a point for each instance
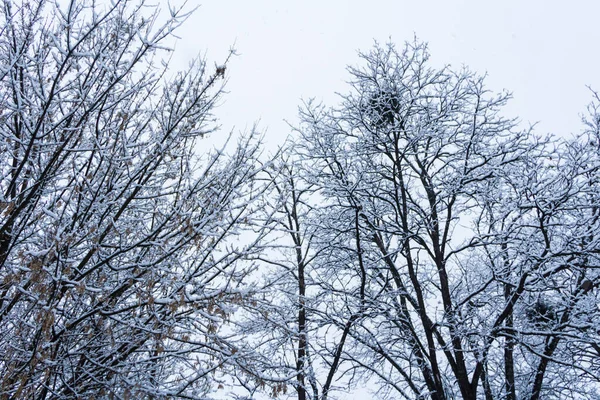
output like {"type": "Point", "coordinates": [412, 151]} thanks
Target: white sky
{"type": "Point", "coordinates": [545, 52]}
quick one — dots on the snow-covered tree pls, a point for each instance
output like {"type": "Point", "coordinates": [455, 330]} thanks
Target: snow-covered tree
{"type": "Point", "coordinates": [119, 241]}
{"type": "Point", "coordinates": [288, 323]}
{"type": "Point", "coordinates": [458, 253]}
{"type": "Point", "coordinates": [276, 322]}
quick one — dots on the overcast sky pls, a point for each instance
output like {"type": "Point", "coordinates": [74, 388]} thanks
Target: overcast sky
{"type": "Point", "coordinates": [544, 52]}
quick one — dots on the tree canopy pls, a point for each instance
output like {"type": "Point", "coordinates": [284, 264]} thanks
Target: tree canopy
{"type": "Point", "coordinates": [411, 238]}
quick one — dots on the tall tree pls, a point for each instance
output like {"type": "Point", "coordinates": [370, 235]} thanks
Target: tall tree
{"type": "Point", "coordinates": [117, 265]}
{"type": "Point", "coordinates": [465, 252]}
{"type": "Point", "coordinates": [283, 322]}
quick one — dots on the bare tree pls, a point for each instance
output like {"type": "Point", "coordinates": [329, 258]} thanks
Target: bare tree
{"type": "Point", "coordinates": [289, 323]}
{"type": "Point", "coordinates": [465, 252]}
{"type": "Point", "coordinates": [118, 245]}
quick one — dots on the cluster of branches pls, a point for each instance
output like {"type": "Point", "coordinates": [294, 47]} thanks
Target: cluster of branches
{"type": "Point", "coordinates": [119, 258]}
{"type": "Point", "coordinates": [436, 250]}
{"type": "Point", "coordinates": [411, 238]}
